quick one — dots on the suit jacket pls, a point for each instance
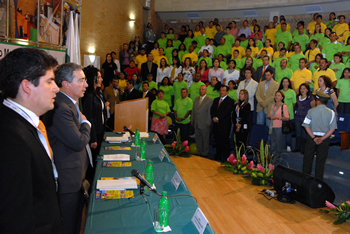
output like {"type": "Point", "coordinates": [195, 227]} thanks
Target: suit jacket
{"type": "Point", "coordinates": [28, 199]}
{"type": "Point", "coordinates": [268, 99]}
{"type": "Point", "coordinates": [259, 72]}
{"type": "Point", "coordinates": [244, 115]}
{"type": "Point", "coordinates": [151, 98]}
{"type": "Point", "coordinates": [68, 139]}
{"type": "Point", "coordinates": [145, 71]}
{"type": "Point", "coordinates": [223, 113]}
{"type": "Point", "coordinates": [135, 94]}
{"type": "Point", "coordinates": [251, 88]}
{"type": "Point", "coordinates": [200, 115]}
{"type": "Point", "coordinates": [110, 97]}
{"type": "Point", "coordinates": [93, 110]}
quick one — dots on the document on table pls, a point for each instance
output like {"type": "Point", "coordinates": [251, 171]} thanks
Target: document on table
{"type": "Point", "coordinates": [123, 138]}
{"type": "Point", "coordinates": [116, 157]}
{"type": "Point", "coordinates": [116, 184]}
{"type": "Point", "coordinates": [144, 135]}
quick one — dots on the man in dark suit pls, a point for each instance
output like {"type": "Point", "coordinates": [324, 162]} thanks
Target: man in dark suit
{"type": "Point", "coordinates": [131, 93]}
{"type": "Point", "coordinates": [28, 177]}
{"type": "Point", "coordinates": [149, 67]}
{"type": "Point", "coordinates": [151, 97]}
{"type": "Point", "coordinates": [221, 116]}
{"type": "Point", "coordinates": [69, 134]}
{"type": "Point", "coordinates": [260, 72]}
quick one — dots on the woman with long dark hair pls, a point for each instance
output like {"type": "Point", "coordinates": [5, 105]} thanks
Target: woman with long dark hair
{"type": "Point", "coordinates": [95, 109]}
{"type": "Point", "coordinates": [124, 57]}
{"type": "Point", "coordinates": [325, 85]}
{"type": "Point", "coordinates": [241, 118]}
{"type": "Point", "coordinates": [108, 70]}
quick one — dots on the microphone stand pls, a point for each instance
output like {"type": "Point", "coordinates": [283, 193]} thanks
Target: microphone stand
{"type": "Point", "coordinates": [142, 192]}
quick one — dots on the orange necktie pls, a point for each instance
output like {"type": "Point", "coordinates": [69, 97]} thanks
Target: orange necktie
{"type": "Point", "coordinates": [144, 95]}
{"type": "Point", "coordinates": [220, 102]}
{"type": "Point", "coordinates": [262, 74]}
{"type": "Point", "coordinates": [42, 129]}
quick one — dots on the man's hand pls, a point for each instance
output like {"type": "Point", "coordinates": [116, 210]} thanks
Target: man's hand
{"type": "Point", "coordinates": [261, 104]}
{"type": "Point", "coordinates": [82, 116]}
{"type": "Point", "coordinates": [208, 125]}
{"type": "Point", "coordinates": [93, 145]}
{"type": "Point", "coordinates": [318, 140]}
{"type": "Point", "coordinates": [215, 120]}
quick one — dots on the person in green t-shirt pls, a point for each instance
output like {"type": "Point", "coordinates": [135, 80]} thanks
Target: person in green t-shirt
{"type": "Point", "coordinates": [229, 39]}
{"type": "Point", "coordinates": [332, 47]}
{"type": "Point", "coordinates": [213, 90]}
{"type": "Point", "coordinates": [346, 52]}
{"type": "Point", "coordinates": [194, 88]}
{"type": "Point", "coordinates": [168, 90]}
{"type": "Point", "coordinates": [170, 34]}
{"type": "Point", "coordinates": [176, 41]}
{"type": "Point", "coordinates": [182, 51]}
{"type": "Point", "coordinates": [284, 36]}
{"type": "Point", "coordinates": [324, 40]}
{"type": "Point", "coordinates": [331, 22]}
{"type": "Point", "coordinates": [301, 38]}
{"type": "Point", "coordinates": [232, 92]}
{"type": "Point", "coordinates": [188, 40]}
{"type": "Point", "coordinates": [337, 66]}
{"type": "Point", "coordinates": [169, 50]}
{"type": "Point", "coordinates": [223, 49]}
{"type": "Point", "coordinates": [222, 62]}
{"type": "Point", "coordinates": [212, 42]}
{"type": "Point", "coordinates": [182, 111]}
{"type": "Point", "coordinates": [206, 59]}
{"type": "Point", "coordinates": [162, 42]}
{"type": "Point", "coordinates": [289, 100]}
{"type": "Point", "coordinates": [283, 71]}
{"type": "Point", "coordinates": [178, 85]}
{"type": "Point", "coordinates": [317, 35]}
{"type": "Point", "coordinates": [201, 38]}
{"type": "Point", "coordinates": [277, 61]}
{"type": "Point", "coordinates": [150, 82]}
{"type": "Point", "coordinates": [294, 59]}
{"type": "Point", "coordinates": [160, 110]}
{"type": "Point", "coordinates": [296, 31]}
{"type": "Point", "coordinates": [237, 59]}
{"type": "Point", "coordinates": [343, 91]}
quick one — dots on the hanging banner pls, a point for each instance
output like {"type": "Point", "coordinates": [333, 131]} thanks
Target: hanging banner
{"type": "Point", "coordinates": [6, 48]}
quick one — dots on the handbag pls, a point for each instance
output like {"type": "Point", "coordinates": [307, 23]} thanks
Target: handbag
{"type": "Point", "coordinates": [287, 126]}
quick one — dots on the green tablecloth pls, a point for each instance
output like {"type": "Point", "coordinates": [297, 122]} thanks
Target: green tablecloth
{"type": "Point", "coordinates": [134, 215]}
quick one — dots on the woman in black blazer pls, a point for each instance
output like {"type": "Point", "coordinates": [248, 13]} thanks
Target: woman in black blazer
{"type": "Point", "coordinates": [241, 118]}
{"type": "Point", "coordinates": [95, 108]}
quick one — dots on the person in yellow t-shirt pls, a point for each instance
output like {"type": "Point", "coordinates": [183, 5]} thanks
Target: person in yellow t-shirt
{"type": "Point", "coordinates": [271, 33]}
{"type": "Point", "coordinates": [303, 75]}
{"type": "Point", "coordinates": [192, 55]}
{"type": "Point", "coordinates": [211, 30]}
{"type": "Point", "coordinates": [278, 27]}
{"type": "Point", "coordinates": [311, 53]}
{"type": "Point", "coordinates": [155, 51]}
{"type": "Point", "coordinates": [159, 57]}
{"type": "Point", "coordinates": [141, 58]}
{"type": "Point", "coordinates": [254, 22]}
{"type": "Point", "coordinates": [341, 28]}
{"type": "Point", "coordinates": [318, 21]}
{"type": "Point", "coordinates": [277, 52]}
{"type": "Point", "coordinates": [197, 31]}
{"type": "Point", "coordinates": [312, 23]}
{"type": "Point", "coordinates": [237, 46]}
{"type": "Point", "coordinates": [323, 71]}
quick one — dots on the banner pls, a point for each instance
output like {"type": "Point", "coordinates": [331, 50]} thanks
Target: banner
{"type": "Point", "coordinates": [6, 48]}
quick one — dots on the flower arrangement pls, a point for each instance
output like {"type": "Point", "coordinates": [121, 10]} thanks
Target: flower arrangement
{"type": "Point", "coordinates": [178, 148]}
{"type": "Point", "coordinates": [239, 164]}
{"type": "Point", "coordinates": [264, 170]}
{"type": "Point", "coordinates": [342, 211]}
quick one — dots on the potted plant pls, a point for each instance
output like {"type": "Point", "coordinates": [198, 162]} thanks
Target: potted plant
{"type": "Point", "coordinates": [263, 173]}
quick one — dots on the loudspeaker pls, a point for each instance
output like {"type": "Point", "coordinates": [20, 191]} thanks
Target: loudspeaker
{"type": "Point", "coordinates": [306, 189]}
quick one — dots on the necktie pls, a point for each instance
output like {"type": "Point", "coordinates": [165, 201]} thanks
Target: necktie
{"type": "Point", "coordinates": [262, 74]}
{"type": "Point", "coordinates": [129, 91]}
{"type": "Point", "coordinates": [144, 95]}
{"type": "Point", "coordinates": [42, 129]}
{"type": "Point", "coordinates": [87, 147]}
{"type": "Point", "coordinates": [149, 67]}
{"type": "Point", "coordinates": [220, 102]}
{"type": "Point", "coordinates": [200, 100]}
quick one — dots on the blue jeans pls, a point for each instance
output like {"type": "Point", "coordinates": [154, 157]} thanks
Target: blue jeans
{"type": "Point", "coordinates": [263, 120]}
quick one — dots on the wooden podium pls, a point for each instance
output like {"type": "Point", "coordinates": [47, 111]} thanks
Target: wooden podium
{"type": "Point", "coordinates": [133, 114]}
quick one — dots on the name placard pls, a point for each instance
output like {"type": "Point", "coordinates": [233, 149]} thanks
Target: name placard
{"type": "Point", "coordinates": [176, 180]}
{"type": "Point", "coordinates": [200, 221]}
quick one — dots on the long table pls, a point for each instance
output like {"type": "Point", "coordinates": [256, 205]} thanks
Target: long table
{"type": "Point", "coordinates": [134, 215]}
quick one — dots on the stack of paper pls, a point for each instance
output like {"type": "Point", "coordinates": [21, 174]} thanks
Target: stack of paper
{"type": "Point", "coordinates": [144, 134]}
{"type": "Point", "coordinates": [116, 184]}
{"type": "Point", "coordinates": [123, 138]}
{"type": "Point", "coordinates": [116, 157]}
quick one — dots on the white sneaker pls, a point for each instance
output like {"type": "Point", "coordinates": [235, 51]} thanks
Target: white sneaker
{"type": "Point", "coordinates": [289, 149]}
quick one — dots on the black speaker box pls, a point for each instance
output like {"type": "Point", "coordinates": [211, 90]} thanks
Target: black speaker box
{"type": "Point", "coordinates": [306, 189]}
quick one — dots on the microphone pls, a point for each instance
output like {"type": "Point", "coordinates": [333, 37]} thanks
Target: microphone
{"type": "Point", "coordinates": [131, 132]}
{"type": "Point", "coordinates": [135, 173]}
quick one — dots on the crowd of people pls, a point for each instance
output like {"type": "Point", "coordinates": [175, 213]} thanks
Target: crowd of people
{"type": "Point", "coordinates": [217, 81]}
{"type": "Point", "coordinates": [263, 69]}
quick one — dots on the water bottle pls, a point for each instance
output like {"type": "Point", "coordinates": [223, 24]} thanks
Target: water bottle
{"type": "Point", "coordinates": [149, 173]}
{"type": "Point", "coordinates": [137, 137]}
{"type": "Point", "coordinates": [164, 210]}
{"type": "Point", "coordinates": [143, 149]}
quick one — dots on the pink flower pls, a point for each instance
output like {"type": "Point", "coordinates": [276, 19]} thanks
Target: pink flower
{"type": "Point", "coordinates": [270, 168]}
{"type": "Point", "coordinates": [185, 143]}
{"type": "Point", "coordinates": [260, 168]}
{"type": "Point", "coordinates": [234, 162]}
{"type": "Point", "coordinates": [250, 165]}
{"type": "Point", "coordinates": [173, 145]}
{"type": "Point", "coordinates": [231, 158]}
{"type": "Point", "coordinates": [330, 205]}
{"type": "Point", "coordinates": [186, 149]}
{"type": "Point", "coordinates": [348, 202]}
{"type": "Point", "coordinates": [244, 159]}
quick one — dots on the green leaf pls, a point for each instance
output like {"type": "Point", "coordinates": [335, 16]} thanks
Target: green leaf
{"type": "Point", "coordinates": [339, 221]}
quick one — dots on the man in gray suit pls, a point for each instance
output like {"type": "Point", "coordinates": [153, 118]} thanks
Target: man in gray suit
{"type": "Point", "coordinates": [69, 134]}
{"type": "Point", "coordinates": [201, 120]}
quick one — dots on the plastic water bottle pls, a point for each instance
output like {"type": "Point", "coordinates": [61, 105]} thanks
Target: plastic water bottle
{"type": "Point", "coordinates": [149, 173]}
{"type": "Point", "coordinates": [137, 137]}
{"type": "Point", "coordinates": [164, 210]}
{"type": "Point", "coordinates": [143, 149]}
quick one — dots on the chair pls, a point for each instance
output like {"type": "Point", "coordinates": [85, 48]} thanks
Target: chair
{"type": "Point", "coordinates": [342, 133]}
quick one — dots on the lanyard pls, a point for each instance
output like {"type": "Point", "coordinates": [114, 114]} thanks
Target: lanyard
{"type": "Point", "coordinates": [237, 109]}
